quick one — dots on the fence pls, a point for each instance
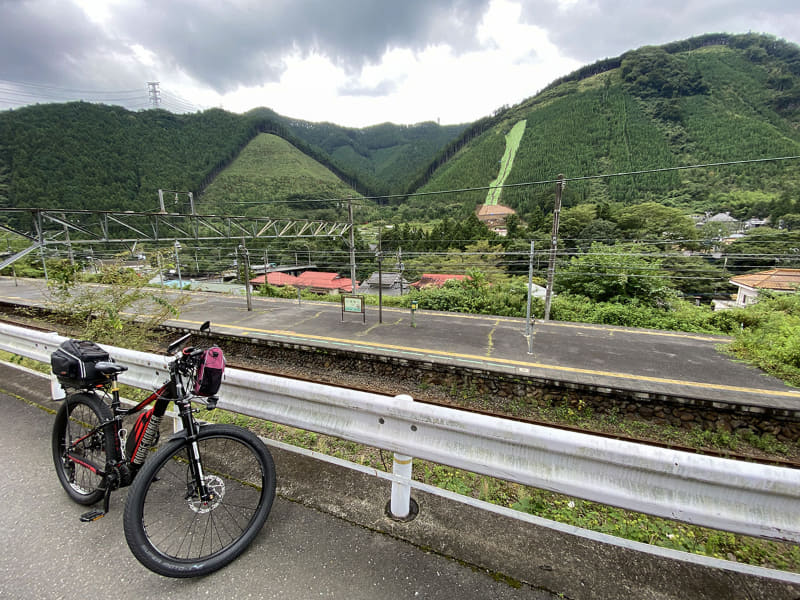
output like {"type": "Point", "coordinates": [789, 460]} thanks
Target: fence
{"type": "Point", "coordinates": [752, 499]}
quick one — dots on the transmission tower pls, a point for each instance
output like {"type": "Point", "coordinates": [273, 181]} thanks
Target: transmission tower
{"type": "Point", "coordinates": [154, 93]}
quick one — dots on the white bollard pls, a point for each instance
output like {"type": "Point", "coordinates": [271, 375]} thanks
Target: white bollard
{"type": "Point", "coordinates": [56, 391]}
{"type": "Point", "coordinates": [400, 507]}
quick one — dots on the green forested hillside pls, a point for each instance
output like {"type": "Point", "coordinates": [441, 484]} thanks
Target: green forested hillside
{"type": "Point", "coordinates": [80, 155]}
{"type": "Point", "coordinates": [270, 168]}
{"type": "Point", "coordinates": [707, 100]}
{"type": "Point", "coordinates": [385, 156]}
{"type": "Point", "coordinates": [715, 98]}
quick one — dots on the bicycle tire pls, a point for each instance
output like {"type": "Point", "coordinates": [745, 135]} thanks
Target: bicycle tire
{"type": "Point", "coordinates": [171, 532]}
{"type": "Point", "coordinates": [79, 414]}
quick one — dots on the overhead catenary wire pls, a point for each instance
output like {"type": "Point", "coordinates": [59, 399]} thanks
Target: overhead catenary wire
{"type": "Point", "coordinates": [565, 255]}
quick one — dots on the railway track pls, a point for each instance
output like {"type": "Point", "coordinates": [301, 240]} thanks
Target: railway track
{"type": "Point", "coordinates": [341, 378]}
{"type": "Point", "coordinates": [771, 460]}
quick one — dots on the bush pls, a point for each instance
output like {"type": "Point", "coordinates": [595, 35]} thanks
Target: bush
{"type": "Point", "coordinates": [770, 336]}
{"type": "Point", "coordinates": [103, 313]}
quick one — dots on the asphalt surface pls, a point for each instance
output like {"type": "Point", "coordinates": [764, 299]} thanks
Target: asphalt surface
{"type": "Point", "coordinates": [638, 360]}
{"type": "Point", "coordinates": [301, 553]}
{"type": "Point", "coordinates": [306, 552]}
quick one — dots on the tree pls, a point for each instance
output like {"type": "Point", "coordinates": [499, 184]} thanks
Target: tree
{"type": "Point", "coordinates": [599, 230]}
{"type": "Point", "coordinates": [618, 273]}
{"type": "Point", "coordinates": [480, 256]}
{"type": "Point", "coordinates": [791, 221]}
{"type": "Point", "coordinates": [764, 248]}
{"type": "Point", "coordinates": [573, 220]}
{"type": "Point", "coordinates": [514, 226]}
{"type": "Point", "coordinates": [654, 222]}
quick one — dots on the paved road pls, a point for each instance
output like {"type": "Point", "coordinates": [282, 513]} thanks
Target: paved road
{"type": "Point", "coordinates": [301, 553]}
{"type": "Point", "coordinates": [659, 362]}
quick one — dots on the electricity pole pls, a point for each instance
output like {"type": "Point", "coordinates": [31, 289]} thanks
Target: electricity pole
{"type": "Point", "coordinates": [551, 267]}
{"type": "Point", "coordinates": [379, 256]}
{"type": "Point", "coordinates": [352, 245]}
{"type": "Point", "coordinates": [154, 93]}
{"type": "Point", "coordinates": [246, 260]}
{"type": "Point", "coordinates": [178, 265]}
{"type": "Point", "coordinates": [530, 285]}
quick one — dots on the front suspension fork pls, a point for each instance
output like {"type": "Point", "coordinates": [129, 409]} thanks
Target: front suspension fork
{"type": "Point", "coordinates": [195, 462]}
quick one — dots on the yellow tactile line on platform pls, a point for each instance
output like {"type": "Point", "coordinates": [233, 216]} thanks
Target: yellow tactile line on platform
{"type": "Point", "coordinates": [609, 328]}
{"type": "Point", "coordinates": [503, 361]}
{"type": "Point", "coordinates": [495, 319]}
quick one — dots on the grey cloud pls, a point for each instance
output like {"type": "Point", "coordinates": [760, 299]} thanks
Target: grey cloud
{"type": "Point", "coordinates": [384, 88]}
{"type": "Point", "coordinates": [243, 42]}
{"type": "Point", "coordinates": [46, 42]}
{"type": "Point", "coordinates": [233, 43]}
{"type": "Point", "coordinates": [589, 30]}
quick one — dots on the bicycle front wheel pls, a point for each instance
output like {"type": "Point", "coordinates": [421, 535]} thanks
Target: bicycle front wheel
{"type": "Point", "coordinates": [79, 447]}
{"type": "Point", "coordinates": [171, 530]}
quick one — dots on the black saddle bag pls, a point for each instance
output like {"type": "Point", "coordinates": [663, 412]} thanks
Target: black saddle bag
{"type": "Point", "coordinates": [74, 364]}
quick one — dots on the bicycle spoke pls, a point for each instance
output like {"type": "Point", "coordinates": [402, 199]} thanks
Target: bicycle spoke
{"type": "Point", "coordinates": [189, 533]}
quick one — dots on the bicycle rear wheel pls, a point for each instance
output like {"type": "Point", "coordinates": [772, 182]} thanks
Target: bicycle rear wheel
{"type": "Point", "coordinates": [171, 531]}
{"type": "Point", "coordinates": [77, 452]}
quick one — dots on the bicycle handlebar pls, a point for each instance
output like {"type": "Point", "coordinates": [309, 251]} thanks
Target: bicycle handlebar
{"type": "Point", "coordinates": [177, 344]}
{"type": "Point", "coordinates": [173, 347]}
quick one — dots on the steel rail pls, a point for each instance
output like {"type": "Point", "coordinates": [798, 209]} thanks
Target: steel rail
{"type": "Point", "coordinates": [747, 498]}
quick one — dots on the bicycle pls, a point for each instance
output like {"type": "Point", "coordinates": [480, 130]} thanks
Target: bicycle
{"type": "Point", "coordinates": [197, 502]}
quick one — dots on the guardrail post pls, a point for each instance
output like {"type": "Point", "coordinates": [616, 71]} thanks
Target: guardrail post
{"type": "Point", "coordinates": [401, 506]}
{"type": "Point", "coordinates": [56, 391]}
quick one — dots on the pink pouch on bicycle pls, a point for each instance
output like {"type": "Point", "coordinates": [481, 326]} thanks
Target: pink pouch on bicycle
{"type": "Point", "coordinates": [209, 372]}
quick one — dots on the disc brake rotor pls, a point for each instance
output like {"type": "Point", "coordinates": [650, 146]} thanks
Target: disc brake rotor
{"type": "Point", "coordinates": [216, 487]}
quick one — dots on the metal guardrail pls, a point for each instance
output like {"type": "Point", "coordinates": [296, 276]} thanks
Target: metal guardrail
{"type": "Point", "coordinates": [752, 499]}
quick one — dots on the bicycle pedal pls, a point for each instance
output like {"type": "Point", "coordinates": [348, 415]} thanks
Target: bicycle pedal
{"type": "Point", "coordinates": [92, 515]}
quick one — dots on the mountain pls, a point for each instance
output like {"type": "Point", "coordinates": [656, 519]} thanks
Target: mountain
{"type": "Point", "coordinates": [270, 168]}
{"type": "Point", "coordinates": [88, 156]}
{"type": "Point", "coordinates": [712, 99]}
{"type": "Point", "coordinates": [386, 157]}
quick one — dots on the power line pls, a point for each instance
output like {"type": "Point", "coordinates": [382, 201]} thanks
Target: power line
{"type": "Point", "coordinates": [585, 177]}
{"type": "Point", "coordinates": [22, 93]}
{"type": "Point", "coordinates": [527, 183]}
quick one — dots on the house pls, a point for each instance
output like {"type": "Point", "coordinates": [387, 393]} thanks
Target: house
{"type": "Point", "coordinates": [750, 285]}
{"type": "Point", "coordinates": [755, 222]}
{"type": "Point", "coordinates": [390, 284]}
{"type": "Point", "coordinates": [319, 282]}
{"type": "Point", "coordinates": [724, 223]}
{"type": "Point", "coordinates": [436, 280]}
{"type": "Point", "coordinates": [494, 216]}
{"type": "Point", "coordinates": [274, 278]}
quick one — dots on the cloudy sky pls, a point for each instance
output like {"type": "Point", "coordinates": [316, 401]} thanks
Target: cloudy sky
{"type": "Point", "coordinates": [351, 62]}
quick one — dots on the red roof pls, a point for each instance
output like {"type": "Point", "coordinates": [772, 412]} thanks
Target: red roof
{"type": "Point", "coordinates": [436, 279]}
{"type": "Point", "coordinates": [319, 280]}
{"type": "Point", "coordinates": [774, 279]}
{"type": "Point", "coordinates": [275, 279]}
{"type": "Point", "coordinates": [323, 280]}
